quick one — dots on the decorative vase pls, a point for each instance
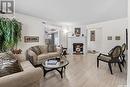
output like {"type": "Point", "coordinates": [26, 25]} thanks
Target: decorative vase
{"type": "Point", "coordinates": [16, 51]}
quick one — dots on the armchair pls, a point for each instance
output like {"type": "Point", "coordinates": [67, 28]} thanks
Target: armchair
{"type": "Point", "coordinates": [112, 57]}
{"type": "Point", "coordinates": [122, 54]}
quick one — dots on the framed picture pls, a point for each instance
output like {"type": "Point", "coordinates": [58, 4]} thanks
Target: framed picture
{"type": "Point", "coordinates": [109, 38]}
{"type": "Point", "coordinates": [117, 37]}
{"type": "Point", "coordinates": [31, 39]}
{"type": "Point", "coordinates": [92, 35]}
{"type": "Point", "coordinates": [77, 32]}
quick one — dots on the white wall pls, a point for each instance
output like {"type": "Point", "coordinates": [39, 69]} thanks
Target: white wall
{"type": "Point", "coordinates": [63, 36]}
{"type": "Point", "coordinates": [109, 28]}
{"type": "Point", "coordinates": [31, 26]}
{"type": "Point", "coordinates": [34, 27]}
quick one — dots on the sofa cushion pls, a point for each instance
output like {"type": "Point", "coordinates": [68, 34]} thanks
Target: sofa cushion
{"type": "Point", "coordinates": [8, 64]}
{"type": "Point", "coordinates": [105, 58]}
{"type": "Point", "coordinates": [26, 65]}
{"type": "Point", "coordinates": [53, 54]}
{"type": "Point", "coordinates": [36, 49]}
{"type": "Point", "coordinates": [43, 49]}
{"type": "Point", "coordinates": [43, 56]}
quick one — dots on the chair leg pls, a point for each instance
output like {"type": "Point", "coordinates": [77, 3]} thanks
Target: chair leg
{"type": "Point", "coordinates": [114, 64]}
{"type": "Point", "coordinates": [122, 63]}
{"type": "Point", "coordinates": [97, 62]}
{"type": "Point", "coordinates": [109, 64]}
{"type": "Point", "coordinates": [119, 66]}
{"type": "Point", "coordinates": [123, 58]}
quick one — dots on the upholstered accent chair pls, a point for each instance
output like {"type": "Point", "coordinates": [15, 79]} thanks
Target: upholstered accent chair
{"type": "Point", "coordinates": [112, 57]}
{"type": "Point", "coordinates": [122, 54]}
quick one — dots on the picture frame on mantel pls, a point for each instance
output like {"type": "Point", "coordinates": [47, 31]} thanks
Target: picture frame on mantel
{"type": "Point", "coordinates": [31, 39]}
{"type": "Point", "coordinates": [77, 32]}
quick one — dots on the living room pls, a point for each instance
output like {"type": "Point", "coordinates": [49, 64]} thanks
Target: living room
{"type": "Point", "coordinates": [74, 33]}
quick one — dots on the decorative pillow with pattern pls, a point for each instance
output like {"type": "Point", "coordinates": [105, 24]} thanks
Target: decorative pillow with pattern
{"type": "Point", "coordinates": [9, 65]}
{"type": "Point", "coordinates": [36, 49]}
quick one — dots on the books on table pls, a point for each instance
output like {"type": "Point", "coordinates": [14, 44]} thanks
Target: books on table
{"type": "Point", "coordinates": [52, 63]}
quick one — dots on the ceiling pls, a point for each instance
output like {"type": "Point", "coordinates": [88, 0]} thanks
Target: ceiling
{"type": "Point", "coordinates": [73, 11]}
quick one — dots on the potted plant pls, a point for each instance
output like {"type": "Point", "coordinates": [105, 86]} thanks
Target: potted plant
{"type": "Point", "coordinates": [10, 35]}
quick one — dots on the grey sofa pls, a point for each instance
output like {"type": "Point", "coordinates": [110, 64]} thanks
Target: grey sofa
{"type": "Point", "coordinates": [29, 77]}
{"type": "Point", "coordinates": [36, 54]}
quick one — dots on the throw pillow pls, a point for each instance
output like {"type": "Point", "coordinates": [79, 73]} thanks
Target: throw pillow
{"type": "Point", "coordinates": [9, 65]}
{"type": "Point", "coordinates": [36, 49]}
{"type": "Point", "coordinates": [43, 48]}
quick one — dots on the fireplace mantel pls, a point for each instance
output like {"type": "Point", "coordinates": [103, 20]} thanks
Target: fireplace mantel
{"type": "Point", "coordinates": [73, 40]}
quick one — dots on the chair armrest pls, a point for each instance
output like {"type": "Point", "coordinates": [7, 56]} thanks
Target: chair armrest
{"type": "Point", "coordinates": [20, 57]}
{"type": "Point", "coordinates": [21, 79]}
{"type": "Point", "coordinates": [32, 57]}
{"type": "Point", "coordinates": [102, 55]}
{"type": "Point", "coordinates": [105, 55]}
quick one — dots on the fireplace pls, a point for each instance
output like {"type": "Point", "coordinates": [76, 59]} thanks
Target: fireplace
{"type": "Point", "coordinates": [77, 48]}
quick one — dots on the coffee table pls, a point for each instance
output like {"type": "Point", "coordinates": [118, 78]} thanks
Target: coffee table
{"type": "Point", "coordinates": [59, 66]}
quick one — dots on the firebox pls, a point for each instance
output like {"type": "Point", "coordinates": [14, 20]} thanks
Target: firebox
{"type": "Point", "coordinates": [77, 48]}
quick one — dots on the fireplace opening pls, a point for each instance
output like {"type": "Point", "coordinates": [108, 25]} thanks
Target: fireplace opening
{"type": "Point", "coordinates": [77, 48]}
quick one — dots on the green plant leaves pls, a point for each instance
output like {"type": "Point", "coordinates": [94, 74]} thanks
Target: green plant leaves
{"type": "Point", "coordinates": [10, 33]}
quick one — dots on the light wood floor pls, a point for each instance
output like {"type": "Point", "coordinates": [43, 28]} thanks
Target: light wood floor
{"type": "Point", "coordinates": [83, 72]}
